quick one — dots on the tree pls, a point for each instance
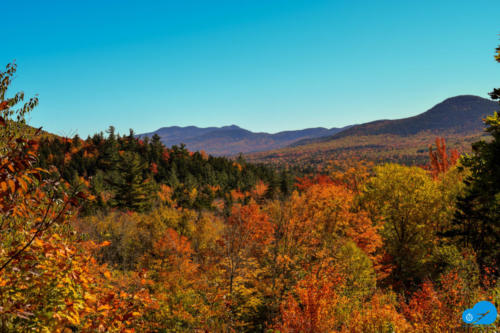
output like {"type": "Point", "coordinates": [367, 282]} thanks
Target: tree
{"type": "Point", "coordinates": [29, 203]}
{"type": "Point", "coordinates": [132, 191]}
{"type": "Point", "coordinates": [495, 94]}
{"type": "Point", "coordinates": [440, 162]}
{"type": "Point", "coordinates": [177, 286]}
{"type": "Point", "coordinates": [314, 303]}
{"type": "Point", "coordinates": [13, 120]}
{"type": "Point", "coordinates": [409, 202]}
{"type": "Point", "coordinates": [477, 220]}
{"type": "Point", "coordinates": [49, 280]}
{"type": "Point", "coordinates": [245, 240]}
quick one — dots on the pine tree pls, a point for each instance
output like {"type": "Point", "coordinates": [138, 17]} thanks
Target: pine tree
{"type": "Point", "coordinates": [477, 221]}
{"type": "Point", "coordinates": [132, 191]}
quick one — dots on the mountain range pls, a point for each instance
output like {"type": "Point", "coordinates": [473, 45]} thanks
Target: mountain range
{"type": "Point", "coordinates": [231, 140]}
{"type": "Point", "coordinates": [459, 116]}
{"type": "Point", "coordinates": [458, 120]}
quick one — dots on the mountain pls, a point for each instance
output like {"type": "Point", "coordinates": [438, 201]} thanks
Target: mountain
{"type": "Point", "coordinates": [457, 119]}
{"type": "Point", "coordinates": [230, 140]}
{"type": "Point", "coordinates": [458, 115]}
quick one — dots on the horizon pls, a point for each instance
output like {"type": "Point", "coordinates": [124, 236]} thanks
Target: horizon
{"type": "Point", "coordinates": [252, 63]}
{"type": "Point", "coordinates": [302, 129]}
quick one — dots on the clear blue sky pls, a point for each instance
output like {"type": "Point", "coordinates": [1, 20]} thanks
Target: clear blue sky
{"type": "Point", "coordinates": [267, 65]}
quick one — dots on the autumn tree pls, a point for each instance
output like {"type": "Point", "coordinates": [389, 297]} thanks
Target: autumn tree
{"type": "Point", "coordinates": [410, 204]}
{"type": "Point", "coordinates": [322, 226]}
{"type": "Point", "coordinates": [245, 240]}
{"type": "Point", "coordinates": [13, 115]}
{"type": "Point", "coordinates": [49, 280]}
{"type": "Point", "coordinates": [314, 303]}
{"type": "Point", "coordinates": [440, 160]}
{"type": "Point", "coordinates": [177, 286]}
{"type": "Point", "coordinates": [29, 203]}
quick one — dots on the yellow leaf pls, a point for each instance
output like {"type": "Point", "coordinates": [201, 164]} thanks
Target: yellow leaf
{"type": "Point", "coordinates": [104, 307]}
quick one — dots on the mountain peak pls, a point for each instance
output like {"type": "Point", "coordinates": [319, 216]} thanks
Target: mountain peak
{"type": "Point", "coordinates": [458, 114]}
{"type": "Point", "coordinates": [464, 98]}
{"type": "Point", "coordinates": [231, 127]}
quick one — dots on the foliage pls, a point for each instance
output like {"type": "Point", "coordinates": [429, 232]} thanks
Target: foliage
{"type": "Point", "coordinates": [379, 149]}
{"type": "Point", "coordinates": [415, 210]}
{"type": "Point", "coordinates": [49, 281]}
{"type": "Point", "coordinates": [477, 221]}
{"type": "Point", "coordinates": [440, 162]}
{"type": "Point", "coordinates": [116, 234]}
{"type": "Point", "coordinates": [126, 172]}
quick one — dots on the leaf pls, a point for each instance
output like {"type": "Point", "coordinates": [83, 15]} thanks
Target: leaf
{"type": "Point", "coordinates": [12, 185]}
{"type": "Point", "coordinates": [23, 184]}
{"type": "Point", "coordinates": [3, 106]}
{"type": "Point", "coordinates": [104, 307]}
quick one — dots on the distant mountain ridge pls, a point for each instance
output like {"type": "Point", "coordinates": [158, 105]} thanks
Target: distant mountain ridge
{"type": "Point", "coordinates": [230, 140]}
{"type": "Point", "coordinates": [456, 115]}
{"type": "Point", "coordinates": [458, 120]}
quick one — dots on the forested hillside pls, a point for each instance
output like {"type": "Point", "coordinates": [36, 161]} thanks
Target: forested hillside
{"type": "Point", "coordinates": [379, 149]}
{"type": "Point", "coordinates": [457, 119]}
{"type": "Point", "coordinates": [459, 115]}
{"type": "Point", "coordinates": [117, 234]}
{"type": "Point", "coordinates": [125, 172]}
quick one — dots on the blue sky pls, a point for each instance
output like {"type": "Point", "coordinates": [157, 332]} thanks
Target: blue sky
{"type": "Point", "coordinates": [265, 65]}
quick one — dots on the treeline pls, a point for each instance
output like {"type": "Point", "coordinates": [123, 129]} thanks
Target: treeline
{"type": "Point", "coordinates": [125, 172]}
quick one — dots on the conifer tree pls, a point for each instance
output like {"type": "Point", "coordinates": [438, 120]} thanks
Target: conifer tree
{"type": "Point", "coordinates": [132, 191]}
{"type": "Point", "coordinates": [477, 221]}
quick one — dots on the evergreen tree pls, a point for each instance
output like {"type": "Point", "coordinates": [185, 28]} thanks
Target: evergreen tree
{"type": "Point", "coordinates": [132, 191]}
{"type": "Point", "coordinates": [477, 221]}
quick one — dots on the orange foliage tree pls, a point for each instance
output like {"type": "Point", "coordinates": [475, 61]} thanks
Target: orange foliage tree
{"type": "Point", "coordinates": [177, 287]}
{"type": "Point", "coordinates": [440, 161]}
{"type": "Point", "coordinates": [248, 232]}
{"type": "Point", "coordinates": [311, 307]}
{"type": "Point", "coordinates": [49, 280]}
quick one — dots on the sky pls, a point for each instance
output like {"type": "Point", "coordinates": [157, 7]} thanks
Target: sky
{"type": "Point", "coordinates": [264, 65]}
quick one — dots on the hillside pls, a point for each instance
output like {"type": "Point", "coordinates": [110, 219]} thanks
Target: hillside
{"type": "Point", "coordinates": [231, 140]}
{"type": "Point", "coordinates": [455, 115]}
{"type": "Point", "coordinates": [457, 119]}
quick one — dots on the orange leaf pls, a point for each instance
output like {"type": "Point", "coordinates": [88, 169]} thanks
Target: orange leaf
{"type": "Point", "coordinates": [12, 185]}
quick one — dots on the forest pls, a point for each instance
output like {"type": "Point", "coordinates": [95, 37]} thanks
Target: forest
{"type": "Point", "coordinates": [117, 234]}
